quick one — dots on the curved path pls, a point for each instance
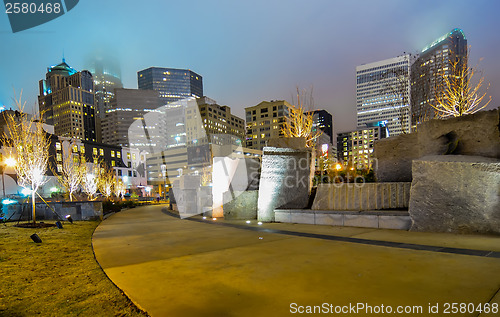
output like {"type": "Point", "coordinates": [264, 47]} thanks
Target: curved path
{"type": "Point", "coordinates": [174, 267]}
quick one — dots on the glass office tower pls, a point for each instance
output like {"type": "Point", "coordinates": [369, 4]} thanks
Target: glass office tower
{"type": "Point", "coordinates": [170, 83]}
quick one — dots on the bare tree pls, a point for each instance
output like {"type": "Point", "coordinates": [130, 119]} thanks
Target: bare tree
{"type": "Point", "coordinates": [299, 123]}
{"type": "Point", "coordinates": [73, 170]}
{"type": "Point", "coordinates": [107, 180]}
{"type": "Point", "coordinates": [119, 188]}
{"type": "Point", "coordinates": [29, 143]}
{"type": "Point", "coordinates": [460, 95]}
{"type": "Point", "coordinates": [90, 180]}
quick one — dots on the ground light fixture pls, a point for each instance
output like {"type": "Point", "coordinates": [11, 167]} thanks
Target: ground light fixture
{"type": "Point", "coordinates": [204, 218]}
{"type": "Point", "coordinates": [35, 238]}
{"type": "Point", "coordinates": [8, 201]}
{"type": "Point", "coordinates": [214, 219]}
{"type": "Point", "coordinates": [248, 221]}
{"type": "Point", "coordinates": [68, 217]}
{"type": "Point", "coordinates": [259, 223]}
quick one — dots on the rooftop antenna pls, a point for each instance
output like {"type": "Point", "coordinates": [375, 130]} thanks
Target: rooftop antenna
{"type": "Point", "coordinates": [64, 59]}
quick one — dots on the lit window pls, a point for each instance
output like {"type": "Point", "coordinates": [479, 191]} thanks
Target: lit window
{"type": "Point", "coordinates": [94, 151]}
{"type": "Point", "coordinates": [118, 154]}
{"type": "Point", "coordinates": [112, 163]}
{"type": "Point", "coordinates": [58, 146]}
{"type": "Point", "coordinates": [128, 155]}
{"type": "Point", "coordinates": [101, 152]}
{"type": "Point", "coordinates": [75, 148]}
{"type": "Point", "coordinates": [112, 153]}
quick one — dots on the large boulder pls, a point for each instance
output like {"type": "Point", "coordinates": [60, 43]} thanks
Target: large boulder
{"type": "Point", "coordinates": [240, 205]}
{"type": "Point", "coordinates": [455, 193]}
{"type": "Point", "coordinates": [286, 180]}
{"type": "Point", "coordinates": [476, 134]}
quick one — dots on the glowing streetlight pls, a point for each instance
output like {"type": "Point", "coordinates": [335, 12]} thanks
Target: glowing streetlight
{"type": "Point", "coordinates": [338, 166]}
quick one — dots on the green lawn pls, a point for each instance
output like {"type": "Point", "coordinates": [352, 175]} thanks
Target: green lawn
{"type": "Point", "coordinates": [58, 277]}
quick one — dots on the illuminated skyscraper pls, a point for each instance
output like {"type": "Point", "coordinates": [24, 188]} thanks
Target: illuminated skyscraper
{"type": "Point", "coordinates": [66, 101]}
{"type": "Point", "coordinates": [170, 83]}
{"type": "Point", "coordinates": [383, 94]}
{"type": "Point", "coordinates": [427, 72]}
{"type": "Point", "coordinates": [126, 106]}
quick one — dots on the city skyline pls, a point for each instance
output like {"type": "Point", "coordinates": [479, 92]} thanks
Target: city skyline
{"type": "Point", "coordinates": [250, 52]}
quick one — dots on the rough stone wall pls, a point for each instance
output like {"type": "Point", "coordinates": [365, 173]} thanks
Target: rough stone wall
{"type": "Point", "coordinates": [476, 134]}
{"type": "Point", "coordinates": [456, 193]}
{"type": "Point", "coordinates": [290, 143]}
{"type": "Point", "coordinates": [243, 206]}
{"type": "Point", "coordinates": [369, 196]}
{"type": "Point", "coordinates": [286, 180]}
{"type": "Point", "coordinates": [394, 156]}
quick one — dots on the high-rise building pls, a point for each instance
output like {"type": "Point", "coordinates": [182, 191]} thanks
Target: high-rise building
{"type": "Point", "coordinates": [323, 121]}
{"type": "Point", "coordinates": [66, 101]}
{"type": "Point", "coordinates": [265, 121]}
{"type": "Point", "coordinates": [126, 106]}
{"type": "Point", "coordinates": [383, 93]}
{"type": "Point", "coordinates": [170, 83]}
{"type": "Point", "coordinates": [107, 76]}
{"type": "Point", "coordinates": [355, 148]}
{"type": "Point", "coordinates": [220, 125]}
{"type": "Point", "coordinates": [427, 72]}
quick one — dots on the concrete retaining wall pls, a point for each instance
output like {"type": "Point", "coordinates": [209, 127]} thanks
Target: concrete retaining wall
{"type": "Point", "coordinates": [78, 210]}
{"type": "Point", "coordinates": [382, 220]}
{"type": "Point", "coordinates": [368, 196]}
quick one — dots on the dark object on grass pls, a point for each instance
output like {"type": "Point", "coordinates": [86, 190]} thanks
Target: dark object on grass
{"type": "Point", "coordinates": [68, 217]}
{"type": "Point", "coordinates": [35, 238]}
{"type": "Point", "coordinates": [59, 225]}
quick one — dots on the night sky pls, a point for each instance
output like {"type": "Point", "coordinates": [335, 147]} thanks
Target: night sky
{"type": "Point", "coordinates": [250, 51]}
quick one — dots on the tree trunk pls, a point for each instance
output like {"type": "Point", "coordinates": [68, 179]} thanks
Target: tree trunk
{"type": "Point", "coordinates": [33, 193]}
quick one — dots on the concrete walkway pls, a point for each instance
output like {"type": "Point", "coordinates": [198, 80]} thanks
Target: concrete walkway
{"type": "Point", "coordinates": [174, 267]}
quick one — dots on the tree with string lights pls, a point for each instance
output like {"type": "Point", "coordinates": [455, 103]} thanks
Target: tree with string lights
{"type": "Point", "coordinates": [27, 141]}
{"type": "Point", "coordinates": [460, 95]}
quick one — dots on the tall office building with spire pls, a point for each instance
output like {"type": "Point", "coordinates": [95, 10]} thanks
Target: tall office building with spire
{"type": "Point", "coordinates": [66, 101]}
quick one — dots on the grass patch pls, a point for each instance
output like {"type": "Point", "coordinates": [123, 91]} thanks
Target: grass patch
{"type": "Point", "coordinates": [58, 277]}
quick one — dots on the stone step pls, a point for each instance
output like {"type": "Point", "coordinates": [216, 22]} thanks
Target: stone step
{"type": "Point", "coordinates": [382, 219]}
